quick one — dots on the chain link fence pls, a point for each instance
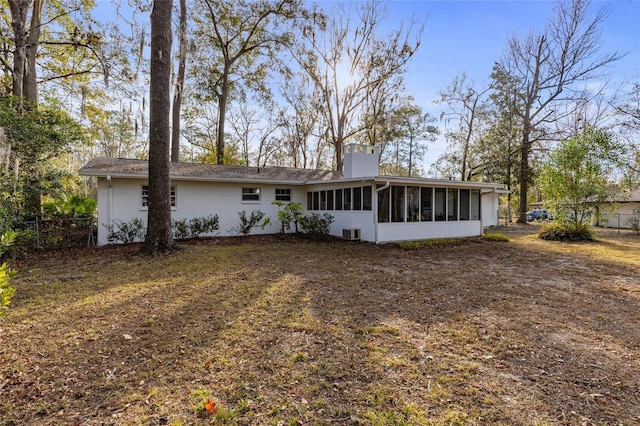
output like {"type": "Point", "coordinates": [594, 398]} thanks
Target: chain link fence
{"type": "Point", "coordinates": [52, 234]}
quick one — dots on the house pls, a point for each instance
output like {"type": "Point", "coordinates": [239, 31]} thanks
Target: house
{"type": "Point", "coordinates": [623, 212]}
{"type": "Point", "coordinates": [365, 206]}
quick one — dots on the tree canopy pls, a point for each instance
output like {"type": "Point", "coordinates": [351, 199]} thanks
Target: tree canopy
{"type": "Point", "coordinates": [579, 174]}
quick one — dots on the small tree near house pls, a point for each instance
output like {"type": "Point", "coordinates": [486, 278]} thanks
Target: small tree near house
{"type": "Point", "coordinates": [287, 213]}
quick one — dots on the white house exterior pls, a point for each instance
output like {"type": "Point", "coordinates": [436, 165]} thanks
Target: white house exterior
{"type": "Point", "coordinates": [364, 205]}
{"type": "Point", "coordinates": [621, 213]}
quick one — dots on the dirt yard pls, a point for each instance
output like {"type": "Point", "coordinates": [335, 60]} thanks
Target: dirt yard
{"type": "Point", "coordinates": [284, 331]}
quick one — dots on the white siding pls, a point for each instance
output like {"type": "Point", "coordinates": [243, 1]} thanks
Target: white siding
{"type": "Point", "coordinates": [121, 201]}
{"type": "Point", "coordinates": [619, 216]}
{"type": "Point", "coordinates": [489, 209]}
{"type": "Point", "coordinates": [193, 199]}
{"type": "Point", "coordinates": [388, 232]}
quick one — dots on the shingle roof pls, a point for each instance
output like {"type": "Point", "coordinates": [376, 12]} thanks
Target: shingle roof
{"type": "Point", "coordinates": [118, 167]}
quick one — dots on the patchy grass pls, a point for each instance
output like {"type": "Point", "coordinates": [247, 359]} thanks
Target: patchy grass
{"type": "Point", "coordinates": [438, 242]}
{"type": "Point", "coordinates": [285, 332]}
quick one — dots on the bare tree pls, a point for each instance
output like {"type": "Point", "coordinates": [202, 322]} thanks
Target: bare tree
{"type": "Point", "coordinates": [159, 236]}
{"type": "Point", "coordinates": [177, 93]}
{"type": "Point", "coordinates": [549, 68]}
{"type": "Point", "coordinates": [235, 36]}
{"type": "Point", "coordinates": [467, 113]}
{"type": "Point", "coordinates": [348, 61]}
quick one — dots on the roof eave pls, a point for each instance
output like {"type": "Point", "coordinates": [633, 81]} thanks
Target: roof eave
{"type": "Point", "coordinates": [120, 175]}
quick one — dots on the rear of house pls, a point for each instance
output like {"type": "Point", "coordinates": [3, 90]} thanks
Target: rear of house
{"type": "Point", "coordinates": [365, 206]}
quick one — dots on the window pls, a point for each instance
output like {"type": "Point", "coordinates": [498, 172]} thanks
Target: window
{"type": "Point", "coordinates": [475, 204]}
{"type": "Point", "coordinates": [309, 200]}
{"type": "Point", "coordinates": [357, 198]}
{"type": "Point", "coordinates": [426, 204]}
{"type": "Point", "coordinates": [440, 207]}
{"type": "Point", "coordinates": [397, 204]}
{"type": "Point", "coordinates": [330, 200]}
{"type": "Point", "coordinates": [338, 199]}
{"type": "Point", "coordinates": [413, 204]}
{"type": "Point", "coordinates": [250, 194]}
{"type": "Point", "coordinates": [283, 194]}
{"type": "Point", "coordinates": [383, 204]}
{"type": "Point", "coordinates": [316, 201]}
{"type": "Point", "coordinates": [145, 195]}
{"type": "Point", "coordinates": [346, 205]}
{"type": "Point", "coordinates": [464, 204]}
{"type": "Point", "coordinates": [323, 200]}
{"type": "Point", "coordinates": [452, 205]}
{"type": "Point", "coordinates": [366, 198]}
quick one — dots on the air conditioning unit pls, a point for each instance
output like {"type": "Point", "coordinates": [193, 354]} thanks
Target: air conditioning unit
{"type": "Point", "coordinates": [351, 234]}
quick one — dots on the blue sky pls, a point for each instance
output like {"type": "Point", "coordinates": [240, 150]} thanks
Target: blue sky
{"type": "Point", "coordinates": [471, 35]}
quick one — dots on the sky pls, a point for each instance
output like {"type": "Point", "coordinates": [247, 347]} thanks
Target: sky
{"type": "Point", "coordinates": [469, 36]}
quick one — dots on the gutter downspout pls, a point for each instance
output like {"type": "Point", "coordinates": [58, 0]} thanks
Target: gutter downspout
{"type": "Point", "coordinates": [375, 213]}
{"type": "Point", "coordinates": [110, 208]}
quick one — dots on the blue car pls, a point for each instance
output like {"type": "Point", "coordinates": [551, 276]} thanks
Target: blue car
{"type": "Point", "coordinates": [537, 214]}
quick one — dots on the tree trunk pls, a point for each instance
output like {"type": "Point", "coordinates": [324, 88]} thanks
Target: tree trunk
{"type": "Point", "coordinates": [159, 237]}
{"type": "Point", "coordinates": [177, 95]}
{"type": "Point", "coordinates": [524, 173]}
{"type": "Point", "coordinates": [222, 113]}
{"type": "Point", "coordinates": [19, 14]}
{"type": "Point", "coordinates": [30, 84]}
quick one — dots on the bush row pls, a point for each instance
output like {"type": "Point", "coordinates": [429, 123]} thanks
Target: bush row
{"type": "Point", "coordinates": [314, 224]}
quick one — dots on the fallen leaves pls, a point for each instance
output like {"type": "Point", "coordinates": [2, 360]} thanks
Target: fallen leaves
{"type": "Point", "coordinates": [210, 406]}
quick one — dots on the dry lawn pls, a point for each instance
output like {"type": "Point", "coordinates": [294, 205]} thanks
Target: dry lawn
{"type": "Point", "coordinates": [283, 331]}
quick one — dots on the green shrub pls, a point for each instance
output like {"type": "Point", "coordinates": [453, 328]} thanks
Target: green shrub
{"type": "Point", "coordinates": [316, 225]}
{"type": "Point", "coordinates": [126, 232]}
{"type": "Point", "coordinates": [565, 231]}
{"type": "Point", "coordinates": [288, 213]}
{"type": "Point", "coordinates": [74, 206]}
{"type": "Point", "coordinates": [195, 227]}
{"type": "Point", "coordinates": [6, 292]}
{"type": "Point", "coordinates": [23, 242]}
{"type": "Point", "coordinates": [247, 223]}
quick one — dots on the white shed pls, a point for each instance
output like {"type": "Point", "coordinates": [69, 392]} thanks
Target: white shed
{"type": "Point", "coordinates": [620, 213]}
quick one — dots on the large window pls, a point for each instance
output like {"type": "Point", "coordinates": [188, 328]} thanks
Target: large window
{"type": "Point", "coordinates": [330, 199]}
{"type": "Point", "coordinates": [452, 204]}
{"type": "Point", "coordinates": [250, 194]}
{"type": "Point", "coordinates": [366, 197]}
{"type": "Point", "coordinates": [413, 204]}
{"type": "Point", "coordinates": [283, 194]}
{"type": "Point", "coordinates": [346, 205]}
{"type": "Point", "coordinates": [383, 204]}
{"type": "Point", "coordinates": [475, 205]}
{"type": "Point", "coordinates": [397, 204]}
{"type": "Point", "coordinates": [145, 195]}
{"type": "Point", "coordinates": [338, 199]}
{"type": "Point", "coordinates": [440, 206]}
{"type": "Point", "coordinates": [323, 200]}
{"type": "Point", "coordinates": [464, 204]}
{"type": "Point", "coordinates": [426, 204]}
{"type": "Point", "coordinates": [357, 198]}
